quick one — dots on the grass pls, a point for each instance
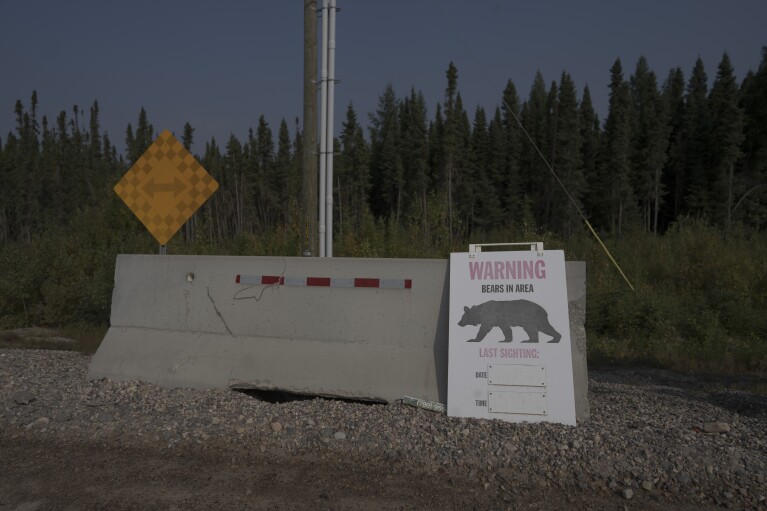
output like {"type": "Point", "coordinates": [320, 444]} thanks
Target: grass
{"type": "Point", "coordinates": [698, 305]}
{"type": "Point", "coordinates": [82, 338]}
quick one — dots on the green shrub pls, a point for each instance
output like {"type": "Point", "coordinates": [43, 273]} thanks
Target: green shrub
{"type": "Point", "coordinates": [698, 301]}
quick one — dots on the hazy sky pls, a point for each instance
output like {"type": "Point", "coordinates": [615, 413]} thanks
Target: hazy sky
{"type": "Point", "coordinates": [219, 65]}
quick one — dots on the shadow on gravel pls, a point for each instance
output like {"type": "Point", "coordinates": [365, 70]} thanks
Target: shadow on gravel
{"type": "Point", "coordinates": [284, 396]}
{"type": "Point", "coordinates": [724, 391]}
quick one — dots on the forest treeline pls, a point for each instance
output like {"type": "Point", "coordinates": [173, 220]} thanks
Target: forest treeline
{"type": "Point", "coordinates": [667, 149]}
{"type": "Point", "coordinates": [673, 178]}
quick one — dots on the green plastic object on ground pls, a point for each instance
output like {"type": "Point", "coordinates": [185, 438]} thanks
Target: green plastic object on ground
{"type": "Point", "coordinates": [426, 405]}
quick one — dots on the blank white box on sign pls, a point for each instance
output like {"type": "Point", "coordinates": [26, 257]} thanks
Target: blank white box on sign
{"type": "Point", "coordinates": [516, 375]}
{"type": "Point", "coordinates": [532, 402]}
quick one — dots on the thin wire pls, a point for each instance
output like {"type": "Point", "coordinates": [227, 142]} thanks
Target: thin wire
{"type": "Point", "coordinates": [551, 169]}
{"type": "Point", "coordinates": [237, 296]}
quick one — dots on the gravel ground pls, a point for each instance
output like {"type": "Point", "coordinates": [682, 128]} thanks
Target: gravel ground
{"type": "Point", "coordinates": [656, 440]}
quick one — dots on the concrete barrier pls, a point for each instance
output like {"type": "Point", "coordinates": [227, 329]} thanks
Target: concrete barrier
{"type": "Point", "coordinates": [186, 321]}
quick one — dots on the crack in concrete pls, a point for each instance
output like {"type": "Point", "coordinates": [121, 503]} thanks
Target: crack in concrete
{"type": "Point", "coordinates": [218, 313]}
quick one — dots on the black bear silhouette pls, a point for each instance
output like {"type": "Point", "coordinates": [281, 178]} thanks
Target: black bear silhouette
{"type": "Point", "coordinates": [505, 314]}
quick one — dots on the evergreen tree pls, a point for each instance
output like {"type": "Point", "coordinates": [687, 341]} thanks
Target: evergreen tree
{"type": "Point", "coordinates": [486, 210]}
{"type": "Point", "coordinates": [94, 173]}
{"type": "Point", "coordinates": [674, 180]}
{"type": "Point", "coordinates": [545, 187]}
{"type": "Point", "coordinates": [726, 140]}
{"type": "Point", "coordinates": [512, 185]}
{"type": "Point", "coordinates": [353, 174]}
{"type": "Point", "coordinates": [451, 142]}
{"type": "Point", "coordinates": [233, 169]}
{"type": "Point", "coordinates": [386, 168]}
{"type": "Point", "coordinates": [282, 179]}
{"type": "Point", "coordinates": [464, 184]}
{"type": "Point", "coordinates": [649, 143]}
{"type": "Point", "coordinates": [590, 143]}
{"type": "Point", "coordinates": [751, 204]}
{"type": "Point", "coordinates": [414, 154]}
{"type": "Point", "coordinates": [213, 212]}
{"type": "Point", "coordinates": [187, 138]}
{"type": "Point", "coordinates": [567, 161]}
{"type": "Point", "coordinates": [437, 165]}
{"type": "Point", "coordinates": [136, 144]}
{"type": "Point", "coordinates": [697, 139]}
{"type": "Point", "coordinates": [534, 117]}
{"type": "Point", "coordinates": [264, 167]}
{"type": "Point", "coordinates": [495, 170]}
{"type": "Point", "coordinates": [616, 164]}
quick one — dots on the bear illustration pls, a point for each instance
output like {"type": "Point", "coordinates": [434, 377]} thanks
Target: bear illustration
{"type": "Point", "coordinates": [506, 314]}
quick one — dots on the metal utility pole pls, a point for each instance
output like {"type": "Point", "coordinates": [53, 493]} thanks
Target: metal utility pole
{"type": "Point", "coordinates": [323, 131]}
{"type": "Point", "coordinates": [310, 156]}
{"type": "Point", "coordinates": [327, 82]}
{"type": "Point", "coordinates": [331, 59]}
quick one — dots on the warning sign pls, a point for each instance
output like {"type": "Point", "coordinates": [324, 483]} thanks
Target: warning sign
{"type": "Point", "coordinates": [509, 352]}
{"type": "Point", "coordinates": [165, 187]}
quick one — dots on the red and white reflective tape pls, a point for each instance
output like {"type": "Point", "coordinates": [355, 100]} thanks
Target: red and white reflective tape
{"type": "Point", "coordinates": [268, 280]}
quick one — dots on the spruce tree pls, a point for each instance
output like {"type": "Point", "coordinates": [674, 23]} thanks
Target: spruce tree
{"type": "Point", "coordinates": [486, 210]}
{"type": "Point", "coordinates": [567, 162]}
{"type": "Point", "coordinates": [414, 154]}
{"type": "Point", "coordinates": [264, 167]}
{"type": "Point", "coordinates": [751, 203]}
{"type": "Point", "coordinates": [283, 182]}
{"type": "Point", "coordinates": [674, 180]}
{"type": "Point", "coordinates": [697, 140]}
{"type": "Point", "coordinates": [464, 187]}
{"type": "Point", "coordinates": [515, 200]}
{"type": "Point", "coordinates": [496, 169]}
{"type": "Point", "coordinates": [726, 140]}
{"type": "Point", "coordinates": [187, 138]}
{"type": "Point", "coordinates": [386, 169]}
{"type": "Point", "coordinates": [233, 169]}
{"type": "Point", "coordinates": [534, 115]}
{"type": "Point", "coordinates": [590, 143]}
{"type": "Point", "coordinates": [649, 143]}
{"type": "Point", "coordinates": [136, 144]}
{"type": "Point", "coordinates": [451, 142]}
{"type": "Point", "coordinates": [354, 174]}
{"type": "Point", "coordinates": [615, 162]}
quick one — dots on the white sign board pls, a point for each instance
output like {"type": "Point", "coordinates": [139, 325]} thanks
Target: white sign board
{"type": "Point", "coordinates": [509, 353]}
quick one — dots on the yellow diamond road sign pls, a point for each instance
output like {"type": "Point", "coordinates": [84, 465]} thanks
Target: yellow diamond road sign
{"type": "Point", "coordinates": [165, 187]}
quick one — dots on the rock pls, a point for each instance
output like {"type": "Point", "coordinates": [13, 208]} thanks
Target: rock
{"type": "Point", "coordinates": [29, 506]}
{"type": "Point", "coordinates": [23, 397]}
{"type": "Point", "coordinates": [39, 422]}
{"type": "Point", "coordinates": [662, 459]}
{"type": "Point", "coordinates": [63, 416]}
{"type": "Point", "coordinates": [104, 418]}
{"type": "Point", "coordinates": [716, 427]}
